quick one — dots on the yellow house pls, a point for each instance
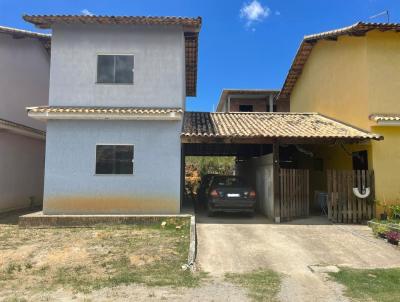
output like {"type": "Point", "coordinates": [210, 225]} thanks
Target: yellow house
{"type": "Point", "coordinates": [352, 74]}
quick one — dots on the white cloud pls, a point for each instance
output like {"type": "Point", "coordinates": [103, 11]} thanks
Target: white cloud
{"type": "Point", "coordinates": [254, 12]}
{"type": "Point", "coordinates": [86, 12]}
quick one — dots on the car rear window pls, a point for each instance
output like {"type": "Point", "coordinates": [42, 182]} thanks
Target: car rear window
{"type": "Point", "coordinates": [228, 181]}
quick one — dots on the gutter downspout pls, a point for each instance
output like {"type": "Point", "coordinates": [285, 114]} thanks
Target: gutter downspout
{"type": "Point", "coordinates": [271, 103]}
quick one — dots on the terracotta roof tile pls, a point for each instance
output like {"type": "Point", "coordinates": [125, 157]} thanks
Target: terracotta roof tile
{"type": "Point", "coordinates": [268, 125]}
{"type": "Point", "coordinates": [306, 46]}
{"type": "Point", "coordinates": [103, 110]}
{"type": "Point", "coordinates": [387, 117]}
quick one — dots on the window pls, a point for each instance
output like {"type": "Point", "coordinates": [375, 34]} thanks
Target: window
{"type": "Point", "coordinates": [360, 160]}
{"type": "Point", "coordinates": [246, 108]}
{"type": "Point", "coordinates": [112, 69]}
{"type": "Point", "coordinates": [114, 159]}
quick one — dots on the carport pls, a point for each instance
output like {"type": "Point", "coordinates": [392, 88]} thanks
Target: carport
{"type": "Point", "coordinates": [264, 144]}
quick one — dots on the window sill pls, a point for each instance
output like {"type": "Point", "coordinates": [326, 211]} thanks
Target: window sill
{"type": "Point", "coordinates": [115, 84]}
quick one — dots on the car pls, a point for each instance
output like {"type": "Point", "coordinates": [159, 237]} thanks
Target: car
{"type": "Point", "coordinates": [203, 188]}
{"type": "Point", "coordinates": [230, 194]}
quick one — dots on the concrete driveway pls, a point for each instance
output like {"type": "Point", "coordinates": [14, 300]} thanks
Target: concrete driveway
{"type": "Point", "coordinates": [303, 251]}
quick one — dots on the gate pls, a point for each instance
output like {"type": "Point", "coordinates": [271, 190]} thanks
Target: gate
{"type": "Point", "coordinates": [294, 193]}
{"type": "Point", "coordinates": [343, 205]}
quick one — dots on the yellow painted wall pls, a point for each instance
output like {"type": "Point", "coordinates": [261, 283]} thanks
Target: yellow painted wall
{"type": "Point", "coordinates": [348, 80]}
{"type": "Point", "coordinates": [386, 159]}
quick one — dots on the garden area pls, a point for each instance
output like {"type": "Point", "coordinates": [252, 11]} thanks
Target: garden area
{"type": "Point", "coordinates": [388, 226]}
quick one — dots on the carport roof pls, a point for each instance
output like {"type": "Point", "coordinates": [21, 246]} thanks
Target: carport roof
{"type": "Point", "coordinates": [213, 126]}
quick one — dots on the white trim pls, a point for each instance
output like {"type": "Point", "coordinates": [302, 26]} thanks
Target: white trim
{"type": "Point", "coordinates": [388, 123]}
{"type": "Point", "coordinates": [171, 116]}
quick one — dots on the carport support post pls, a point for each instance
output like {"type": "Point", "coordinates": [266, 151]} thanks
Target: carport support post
{"type": "Point", "coordinates": [277, 201]}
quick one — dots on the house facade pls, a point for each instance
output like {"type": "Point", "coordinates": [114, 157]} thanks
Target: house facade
{"type": "Point", "coordinates": [117, 94]}
{"type": "Point", "coordinates": [351, 74]}
{"type": "Point", "coordinates": [24, 81]}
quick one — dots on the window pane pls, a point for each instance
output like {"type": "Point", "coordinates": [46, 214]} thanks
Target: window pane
{"type": "Point", "coordinates": [124, 69]}
{"type": "Point", "coordinates": [105, 69]}
{"type": "Point", "coordinates": [114, 159]}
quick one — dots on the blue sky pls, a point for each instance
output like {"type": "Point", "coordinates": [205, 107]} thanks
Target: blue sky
{"type": "Point", "coordinates": [243, 44]}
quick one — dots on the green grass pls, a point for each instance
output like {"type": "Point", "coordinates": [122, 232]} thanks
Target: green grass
{"type": "Point", "coordinates": [261, 285]}
{"type": "Point", "coordinates": [381, 285]}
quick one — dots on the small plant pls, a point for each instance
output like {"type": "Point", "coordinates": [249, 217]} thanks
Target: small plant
{"type": "Point", "coordinates": [384, 205]}
{"type": "Point", "coordinates": [395, 211]}
{"type": "Point", "coordinates": [393, 237]}
{"type": "Point", "coordinates": [381, 230]}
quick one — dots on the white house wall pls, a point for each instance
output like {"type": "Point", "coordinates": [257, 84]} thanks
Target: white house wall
{"type": "Point", "coordinates": [24, 78]}
{"type": "Point", "coordinates": [159, 64]}
{"type": "Point", "coordinates": [71, 186]}
{"type": "Point", "coordinates": [21, 166]}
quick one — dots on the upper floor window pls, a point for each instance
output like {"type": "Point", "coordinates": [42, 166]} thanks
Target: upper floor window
{"type": "Point", "coordinates": [246, 108]}
{"type": "Point", "coordinates": [115, 69]}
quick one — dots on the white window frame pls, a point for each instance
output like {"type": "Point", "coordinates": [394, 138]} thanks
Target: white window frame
{"type": "Point", "coordinates": [108, 144]}
{"type": "Point", "coordinates": [114, 54]}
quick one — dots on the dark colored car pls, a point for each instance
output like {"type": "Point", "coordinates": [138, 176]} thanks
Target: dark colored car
{"type": "Point", "coordinates": [203, 189]}
{"type": "Point", "coordinates": [230, 194]}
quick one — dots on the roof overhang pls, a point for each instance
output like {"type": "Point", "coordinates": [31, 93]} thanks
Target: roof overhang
{"type": "Point", "coordinates": [385, 119]}
{"type": "Point", "coordinates": [22, 129]}
{"type": "Point", "coordinates": [105, 113]}
{"type": "Point", "coordinates": [16, 33]}
{"type": "Point", "coordinates": [268, 128]}
{"type": "Point", "coordinates": [306, 46]}
{"type": "Point", "coordinates": [190, 26]}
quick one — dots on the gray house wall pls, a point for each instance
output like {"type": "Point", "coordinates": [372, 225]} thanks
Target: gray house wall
{"type": "Point", "coordinates": [21, 171]}
{"type": "Point", "coordinates": [24, 81]}
{"type": "Point", "coordinates": [24, 78]}
{"type": "Point", "coordinates": [71, 186]}
{"type": "Point", "coordinates": [159, 63]}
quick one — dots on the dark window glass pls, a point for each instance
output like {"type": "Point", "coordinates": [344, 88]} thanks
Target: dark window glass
{"type": "Point", "coordinates": [227, 181]}
{"type": "Point", "coordinates": [115, 69]}
{"type": "Point", "coordinates": [360, 160]}
{"type": "Point", "coordinates": [114, 159]}
{"type": "Point", "coordinates": [246, 108]}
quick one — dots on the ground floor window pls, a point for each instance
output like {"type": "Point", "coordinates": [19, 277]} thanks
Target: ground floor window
{"type": "Point", "coordinates": [114, 159]}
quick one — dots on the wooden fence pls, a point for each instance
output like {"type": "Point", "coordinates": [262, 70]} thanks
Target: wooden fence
{"type": "Point", "coordinates": [294, 193]}
{"type": "Point", "coordinates": [343, 205]}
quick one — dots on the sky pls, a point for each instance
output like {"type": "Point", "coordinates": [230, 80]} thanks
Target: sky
{"type": "Point", "coordinates": [242, 44]}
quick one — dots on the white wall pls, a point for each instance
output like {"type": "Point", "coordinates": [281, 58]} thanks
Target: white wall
{"type": "Point", "coordinates": [21, 166]}
{"type": "Point", "coordinates": [159, 77]}
{"type": "Point", "coordinates": [71, 185]}
{"type": "Point", "coordinates": [259, 172]}
{"type": "Point", "coordinates": [24, 78]}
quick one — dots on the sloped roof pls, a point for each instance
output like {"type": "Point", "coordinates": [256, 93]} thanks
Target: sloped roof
{"type": "Point", "coordinates": [191, 28]}
{"type": "Point", "coordinates": [45, 39]}
{"type": "Point", "coordinates": [19, 128]}
{"type": "Point", "coordinates": [267, 125]}
{"type": "Point", "coordinates": [306, 46]}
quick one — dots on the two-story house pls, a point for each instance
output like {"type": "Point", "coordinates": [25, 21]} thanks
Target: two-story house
{"type": "Point", "coordinates": [249, 100]}
{"type": "Point", "coordinates": [116, 100]}
{"type": "Point", "coordinates": [352, 74]}
{"type": "Point", "coordinates": [24, 80]}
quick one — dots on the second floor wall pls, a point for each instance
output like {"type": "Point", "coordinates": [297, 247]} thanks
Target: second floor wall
{"type": "Point", "coordinates": [158, 66]}
{"type": "Point", "coordinates": [351, 78]}
{"type": "Point", "coordinates": [24, 78]}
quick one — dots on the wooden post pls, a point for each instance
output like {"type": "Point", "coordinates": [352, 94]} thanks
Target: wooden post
{"type": "Point", "coordinates": [277, 200]}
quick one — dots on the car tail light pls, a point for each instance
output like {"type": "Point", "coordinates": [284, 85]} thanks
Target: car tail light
{"type": "Point", "coordinates": [214, 193]}
{"type": "Point", "coordinates": [252, 194]}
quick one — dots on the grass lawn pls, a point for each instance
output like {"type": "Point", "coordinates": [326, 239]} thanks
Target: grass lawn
{"type": "Point", "coordinates": [87, 259]}
{"type": "Point", "coordinates": [381, 285]}
{"type": "Point", "coordinates": [261, 285]}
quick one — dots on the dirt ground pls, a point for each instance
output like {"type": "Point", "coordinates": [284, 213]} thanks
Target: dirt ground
{"type": "Point", "coordinates": [303, 251]}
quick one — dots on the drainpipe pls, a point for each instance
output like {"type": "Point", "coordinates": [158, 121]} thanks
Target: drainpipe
{"type": "Point", "coordinates": [228, 107]}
